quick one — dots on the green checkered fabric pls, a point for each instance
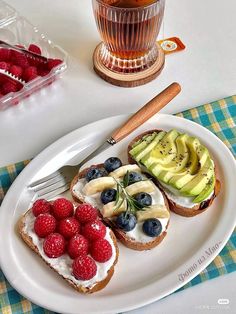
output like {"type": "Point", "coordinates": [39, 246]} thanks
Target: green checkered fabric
{"type": "Point", "coordinates": [8, 175]}
{"type": "Point", "coordinates": [220, 118]}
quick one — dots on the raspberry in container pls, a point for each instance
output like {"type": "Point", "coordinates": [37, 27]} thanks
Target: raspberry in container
{"type": "Point", "coordinates": [32, 72]}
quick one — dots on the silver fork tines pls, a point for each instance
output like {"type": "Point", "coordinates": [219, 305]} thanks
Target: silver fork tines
{"type": "Point", "coordinates": [59, 181]}
{"type": "Point", "coordinates": [51, 194]}
{"type": "Point", "coordinates": [55, 183]}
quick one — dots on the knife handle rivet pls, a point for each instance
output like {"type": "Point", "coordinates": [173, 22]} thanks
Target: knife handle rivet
{"type": "Point", "coordinates": [111, 141]}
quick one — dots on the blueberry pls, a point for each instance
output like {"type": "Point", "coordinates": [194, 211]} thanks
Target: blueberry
{"type": "Point", "coordinates": [112, 164]}
{"type": "Point", "coordinates": [134, 177]}
{"type": "Point", "coordinates": [126, 221]}
{"type": "Point", "coordinates": [108, 196]}
{"type": "Point", "coordinates": [152, 227]}
{"type": "Point", "coordinates": [95, 173]}
{"type": "Point", "coordinates": [144, 199]}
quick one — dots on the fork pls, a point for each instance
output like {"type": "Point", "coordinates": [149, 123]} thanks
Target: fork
{"type": "Point", "coordinates": [30, 54]}
{"type": "Point", "coordinates": [59, 181]}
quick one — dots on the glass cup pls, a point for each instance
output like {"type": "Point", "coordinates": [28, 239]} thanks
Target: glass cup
{"type": "Point", "coordinates": [129, 30]}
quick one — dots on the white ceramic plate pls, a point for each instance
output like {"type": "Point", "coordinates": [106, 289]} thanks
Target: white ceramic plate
{"type": "Point", "coordinates": [140, 277]}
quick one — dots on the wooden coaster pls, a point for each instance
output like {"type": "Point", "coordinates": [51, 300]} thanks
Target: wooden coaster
{"type": "Point", "coordinates": [128, 80]}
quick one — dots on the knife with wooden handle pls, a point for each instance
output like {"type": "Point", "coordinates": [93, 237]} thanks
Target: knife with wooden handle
{"type": "Point", "coordinates": [137, 119]}
{"type": "Point", "coordinates": [146, 112]}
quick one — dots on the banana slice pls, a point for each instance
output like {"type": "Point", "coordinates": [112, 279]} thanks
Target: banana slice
{"type": "Point", "coordinates": [120, 172]}
{"type": "Point", "coordinates": [141, 186]}
{"type": "Point", "coordinates": [154, 211]}
{"type": "Point", "coordinates": [98, 185]}
{"type": "Point", "coordinates": [108, 209]}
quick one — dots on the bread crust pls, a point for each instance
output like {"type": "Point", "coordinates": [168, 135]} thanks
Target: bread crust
{"type": "Point", "coordinates": [121, 235]}
{"type": "Point", "coordinates": [98, 286]}
{"type": "Point", "coordinates": [178, 209]}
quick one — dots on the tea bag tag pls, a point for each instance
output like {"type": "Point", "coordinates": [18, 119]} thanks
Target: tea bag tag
{"type": "Point", "coordinates": [171, 45]}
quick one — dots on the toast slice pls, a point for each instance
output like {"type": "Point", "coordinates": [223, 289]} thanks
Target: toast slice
{"type": "Point", "coordinates": [123, 236]}
{"type": "Point", "coordinates": [25, 224]}
{"type": "Point", "coordinates": [173, 205]}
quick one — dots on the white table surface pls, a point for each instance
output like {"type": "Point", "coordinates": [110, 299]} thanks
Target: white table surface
{"type": "Point", "coordinates": [206, 71]}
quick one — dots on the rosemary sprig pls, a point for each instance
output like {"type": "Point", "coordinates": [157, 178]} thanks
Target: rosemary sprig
{"type": "Point", "coordinates": [125, 181]}
{"type": "Point", "coordinates": [119, 200]}
{"type": "Point", "coordinates": [122, 196]}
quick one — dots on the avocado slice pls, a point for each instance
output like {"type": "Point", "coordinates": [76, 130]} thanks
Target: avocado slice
{"type": "Point", "coordinates": [137, 148]}
{"type": "Point", "coordinates": [200, 180]}
{"type": "Point", "coordinates": [140, 140]}
{"type": "Point", "coordinates": [150, 146]}
{"type": "Point", "coordinates": [165, 172]}
{"type": "Point", "coordinates": [163, 152]}
{"type": "Point", "coordinates": [178, 160]}
{"type": "Point", "coordinates": [141, 144]}
{"type": "Point", "coordinates": [178, 180]}
{"type": "Point", "coordinates": [206, 191]}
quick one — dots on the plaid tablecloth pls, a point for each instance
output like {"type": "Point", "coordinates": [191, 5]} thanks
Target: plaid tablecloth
{"type": "Point", "coordinates": [220, 118]}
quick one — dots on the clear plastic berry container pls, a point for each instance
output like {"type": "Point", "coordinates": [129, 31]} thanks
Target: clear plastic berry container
{"type": "Point", "coordinates": [16, 30]}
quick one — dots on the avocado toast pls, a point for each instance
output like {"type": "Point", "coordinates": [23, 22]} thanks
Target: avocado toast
{"type": "Point", "coordinates": [180, 165]}
{"type": "Point", "coordinates": [129, 202]}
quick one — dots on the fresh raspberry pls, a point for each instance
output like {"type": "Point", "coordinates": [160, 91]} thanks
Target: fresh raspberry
{"type": "Point", "coordinates": [86, 213]}
{"type": "Point", "coordinates": [54, 245]}
{"type": "Point", "coordinates": [43, 71]}
{"type": "Point", "coordinates": [16, 70]}
{"type": "Point", "coordinates": [84, 268]}
{"type": "Point", "coordinates": [52, 63]}
{"type": "Point", "coordinates": [3, 79]}
{"type": "Point", "coordinates": [5, 54]}
{"type": "Point", "coordinates": [94, 230]}
{"type": "Point", "coordinates": [35, 49]}
{"type": "Point", "coordinates": [4, 65]}
{"type": "Point", "coordinates": [77, 246]}
{"type": "Point", "coordinates": [41, 206]}
{"type": "Point", "coordinates": [44, 225]}
{"type": "Point", "coordinates": [68, 227]}
{"type": "Point", "coordinates": [101, 250]}
{"type": "Point", "coordinates": [62, 208]}
{"type": "Point", "coordinates": [9, 87]}
{"type": "Point", "coordinates": [30, 73]}
{"type": "Point", "coordinates": [19, 58]}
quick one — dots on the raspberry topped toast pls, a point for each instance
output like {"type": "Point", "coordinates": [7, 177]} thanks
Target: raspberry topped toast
{"type": "Point", "coordinates": [73, 241]}
{"type": "Point", "coordinates": [128, 201]}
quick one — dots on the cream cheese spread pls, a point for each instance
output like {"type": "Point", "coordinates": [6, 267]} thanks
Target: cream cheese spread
{"type": "Point", "coordinates": [137, 233]}
{"type": "Point", "coordinates": [174, 195]}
